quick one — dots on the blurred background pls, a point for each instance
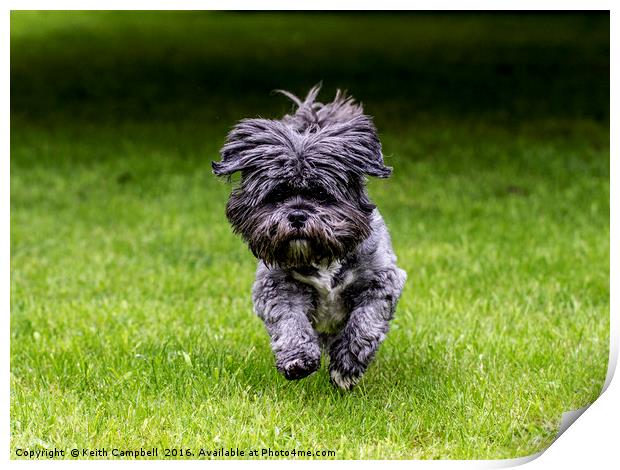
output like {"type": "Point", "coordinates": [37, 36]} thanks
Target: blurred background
{"type": "Point", "coordinates": [216, 65]}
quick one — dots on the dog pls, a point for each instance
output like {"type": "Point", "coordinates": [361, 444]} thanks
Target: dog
{"type": "Point", "coordinates": [327, 277]}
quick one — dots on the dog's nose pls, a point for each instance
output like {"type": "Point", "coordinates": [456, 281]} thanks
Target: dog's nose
{"type": "Point", "coordinates": [297, 218]}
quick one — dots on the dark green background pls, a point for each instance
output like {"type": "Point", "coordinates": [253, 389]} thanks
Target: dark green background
{"type": "Point", "coordinates": [176, 65]}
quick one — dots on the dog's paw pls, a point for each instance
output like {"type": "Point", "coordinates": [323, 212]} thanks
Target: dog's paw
{"type": "Point", "coordinates": [299, 368]}
{"type": "Point", "coordinates": [301, 364]}
{"type": "Point", "coordinates": [344, 381]}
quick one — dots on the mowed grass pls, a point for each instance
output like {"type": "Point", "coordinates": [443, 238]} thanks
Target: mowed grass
{"type": "Point", "coordinates": [131, 317]}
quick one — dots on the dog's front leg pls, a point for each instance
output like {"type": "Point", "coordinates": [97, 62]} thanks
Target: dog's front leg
{"type": "Point", "coordinates": [293, 341]}
{"type": "Point", "coordinates": [283, 306]}
{"type": "Point", "coordinates": [355, 346]}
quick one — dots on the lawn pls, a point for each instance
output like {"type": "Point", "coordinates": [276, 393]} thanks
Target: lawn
{"type": "Point", "coordinates": [131, 316]}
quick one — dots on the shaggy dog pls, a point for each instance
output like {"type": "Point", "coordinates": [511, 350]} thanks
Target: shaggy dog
{"type": "Point", "coordinates": [327, 276]}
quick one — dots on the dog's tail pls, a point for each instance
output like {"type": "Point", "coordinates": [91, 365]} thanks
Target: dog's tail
{"type": "Point", "coordinates": [314, 114]}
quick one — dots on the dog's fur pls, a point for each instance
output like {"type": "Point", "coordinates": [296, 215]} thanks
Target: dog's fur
{"type": "Point", "coordinates": [327, 276]}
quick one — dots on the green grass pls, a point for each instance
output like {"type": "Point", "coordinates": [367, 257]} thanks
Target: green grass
{"type": "Point", "coordinates": [131, 317]}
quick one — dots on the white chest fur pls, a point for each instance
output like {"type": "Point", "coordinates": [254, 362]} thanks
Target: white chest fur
{"type": "Point", "coordinates": [330, 311]}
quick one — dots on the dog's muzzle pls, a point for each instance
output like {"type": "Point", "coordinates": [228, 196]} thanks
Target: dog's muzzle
{"type": "Point", "coordinates": [297, 218]}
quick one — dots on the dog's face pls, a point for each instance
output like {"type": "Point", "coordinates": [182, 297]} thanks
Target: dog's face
{"type": "Point", "coordinates": [302, 198]}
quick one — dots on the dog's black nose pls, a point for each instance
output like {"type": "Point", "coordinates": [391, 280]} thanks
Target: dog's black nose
{"type": "Point", "coordinates": [297, 218]}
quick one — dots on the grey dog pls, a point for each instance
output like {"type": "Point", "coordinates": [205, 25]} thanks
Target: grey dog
{"type": "Point", "coordinates": [327, 276]}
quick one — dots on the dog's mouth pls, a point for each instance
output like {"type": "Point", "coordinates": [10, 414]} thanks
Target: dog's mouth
{"type": "Point", "coordinates": [298, 250]}
{"type": "Point", "coordinates": [287, 246]}
{"type": "Point", "coordinates": [299, 243]}
{"type": "Point", "coordinates": [297, 235]}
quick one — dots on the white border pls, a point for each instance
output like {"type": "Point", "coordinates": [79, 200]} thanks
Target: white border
{"type": "Point", "coordinates": [590, 441]}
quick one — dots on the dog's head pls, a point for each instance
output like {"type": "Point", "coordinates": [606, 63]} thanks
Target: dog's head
{"type": "Point", "coordinates": [302, 198]}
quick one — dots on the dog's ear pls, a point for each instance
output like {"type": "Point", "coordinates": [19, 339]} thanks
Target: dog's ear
{"type": "Point", "coordinates": [247, 143]}
{"type": "Point", "coordinates": [356, 145]}
{"type": "Point", "coordinates": [233, 151]}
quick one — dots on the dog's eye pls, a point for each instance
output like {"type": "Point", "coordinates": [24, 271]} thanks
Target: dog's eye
{"type": "Point", "coordinates": [278, 194]}
{"type": "Point", "coordinates": [319, 194]}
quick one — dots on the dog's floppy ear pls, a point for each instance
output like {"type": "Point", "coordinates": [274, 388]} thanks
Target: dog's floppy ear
{"type": "Point", "coordinates": [356, 145]}
{"type": "Point", "coordinates": [233, 151]}
{"type": "Point", "coordinates": [247, 143]}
